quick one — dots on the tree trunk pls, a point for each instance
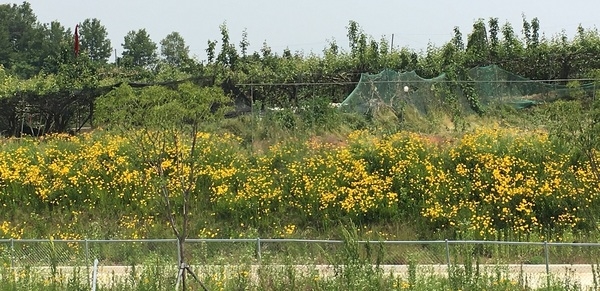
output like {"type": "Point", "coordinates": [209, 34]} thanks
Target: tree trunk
{"type": "Point", "coordinates": [182, 264]}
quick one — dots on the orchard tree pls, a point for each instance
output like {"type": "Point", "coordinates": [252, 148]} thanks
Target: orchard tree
{"type": "Point", "coordinates": [173, 50]}
{"type": "Point", "coordinates": [535, 32]}
{"type": "Point", "coordinates": [357, 41]}
{"type": "Point", "coordinates": [20, 40]}
{"type": "Point", "coordinates": [57, 46]}
{"type": "Point", "coordinates": [139, 50]}
{"type": "Point", "coordinates": [494, 40]}
{"type": "Point", "coordinates": [228, 55]}
{"type": "Point", "coordinates": [583, 52]}
{"type": "Point", "coordinates": [244, 44]}
{"type": "Point", "coordinates": [210, 51]}
{"type": "Point", "coordinates": [94, 40]}
{"type": "Point", "coordinates": [165, 126]}
{"type": "Point", "coordinates": [477, 45]}
{"type": "Point", "coordinates": [511, 50]}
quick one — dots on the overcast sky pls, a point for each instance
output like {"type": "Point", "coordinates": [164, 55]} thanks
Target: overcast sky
{"type": "Point", "coordinates": [307, 25]}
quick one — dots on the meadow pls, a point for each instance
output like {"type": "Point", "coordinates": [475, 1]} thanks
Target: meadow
{"type": "Point", "coordinates": [279, 180]}
{"type": "Point", "coordinates": [491, 183]}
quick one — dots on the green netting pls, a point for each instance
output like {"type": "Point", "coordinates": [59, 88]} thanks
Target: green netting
{"type": "Point", "coordinates": [488, 85]}
{"type": "Point", "coordinates": [394, 90]}
{"type": "Point", "coordinates": [495, 85]}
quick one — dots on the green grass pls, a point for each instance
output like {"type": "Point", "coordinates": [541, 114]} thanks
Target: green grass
{"type": "Point", "coordinates": [351, 274]}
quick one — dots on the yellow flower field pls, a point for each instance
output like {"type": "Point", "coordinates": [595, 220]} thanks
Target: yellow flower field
{"type": "Point", "coordinates": [489, 184]}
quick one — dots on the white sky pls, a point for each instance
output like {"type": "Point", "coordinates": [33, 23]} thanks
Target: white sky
{"type": "Point", "coordinates": [308, 25]}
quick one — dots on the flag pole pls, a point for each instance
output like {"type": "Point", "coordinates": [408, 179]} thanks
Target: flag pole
{"type": "Point", "coordinates": [76, 40]}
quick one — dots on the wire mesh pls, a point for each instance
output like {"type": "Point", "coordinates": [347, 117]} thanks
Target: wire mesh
{"type": "Point", "coordinates": [341, 252]}
{"type": "Point", "coordinates": [229, 251]}
{"type": "Point", "coordinates": [48, 253]}
{"type": "Point", "coordinates": [521, 263]}
{"type": "Point", "coordinates": [277, 251]}
{"type": "Point", "coordinates": [221, 252]}
{"type": "Point", "coordinates": [5, 254]}
{"type": "Point", "coordinates": [132, 252]}
{"type": "Point", "coordinates": [576, 254]}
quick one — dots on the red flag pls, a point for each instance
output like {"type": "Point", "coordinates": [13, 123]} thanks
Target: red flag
{"type": "Point", "coordinates": [76, 40]}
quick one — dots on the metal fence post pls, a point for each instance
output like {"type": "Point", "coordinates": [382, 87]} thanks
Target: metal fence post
{"type": "Point", "coordinates": [95, 275]}
{"type": "Point", "coordinates": [178, 252]}
{"type": "Point", "coordinates": [87, 260]}
{"type": "Point", "coordinates": [547, 256]}
{"type": "Point", "coordinates": [448, 256]}
{"type": "Point", "coordinates": [12, 253]}
{"type": "Point", "coordinates": [258, 254]}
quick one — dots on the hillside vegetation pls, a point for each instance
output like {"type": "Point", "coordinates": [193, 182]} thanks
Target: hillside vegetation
{"type": "Point", "coordinates": [248, 144]}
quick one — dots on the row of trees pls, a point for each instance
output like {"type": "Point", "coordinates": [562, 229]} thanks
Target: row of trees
{"type": "Point", "coordinates": [40, 67]}
{"type": "Point", "coordinates": [28, 47]}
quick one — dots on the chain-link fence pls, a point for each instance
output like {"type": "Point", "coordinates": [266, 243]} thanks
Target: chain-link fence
{"type": "Point", "coordinates": [534, 260]}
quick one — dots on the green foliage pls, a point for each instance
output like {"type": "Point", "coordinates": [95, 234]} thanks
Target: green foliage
{"type": "Point", "coordinates": [477, 45]}
{"type": "Point", "coordinates": [577, 128]}
{"type": "Point", "coordinates": [228, 56]}
{"type": "Point", "coordinates": [139, 50]}
{"type": "Point", "coordinates": [94, 40]}
{"type": "Point", "coordinates": [49, 46]}
{"type": "Point", "coordinates": [58, 47]}
{"type": "Point", "coordinates": [319, 114]}
{"type": "Point", "coordinates": [158, 107]}
{"type": "Point", "coordinates": [23, 47]}
{"type": "Point", "coordinates": [54, 100]}
{"type": "Point", "coordinates": [174, 51]}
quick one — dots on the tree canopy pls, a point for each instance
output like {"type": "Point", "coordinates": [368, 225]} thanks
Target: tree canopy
{"type": "Point", "coordinates": [94, 40]}
{"type": "Point", "coordinates": [39, 65]}
{"type": "Point", "coordinates": [174, 51]}
{"type": "Point", "coordinates": [139, 50]}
